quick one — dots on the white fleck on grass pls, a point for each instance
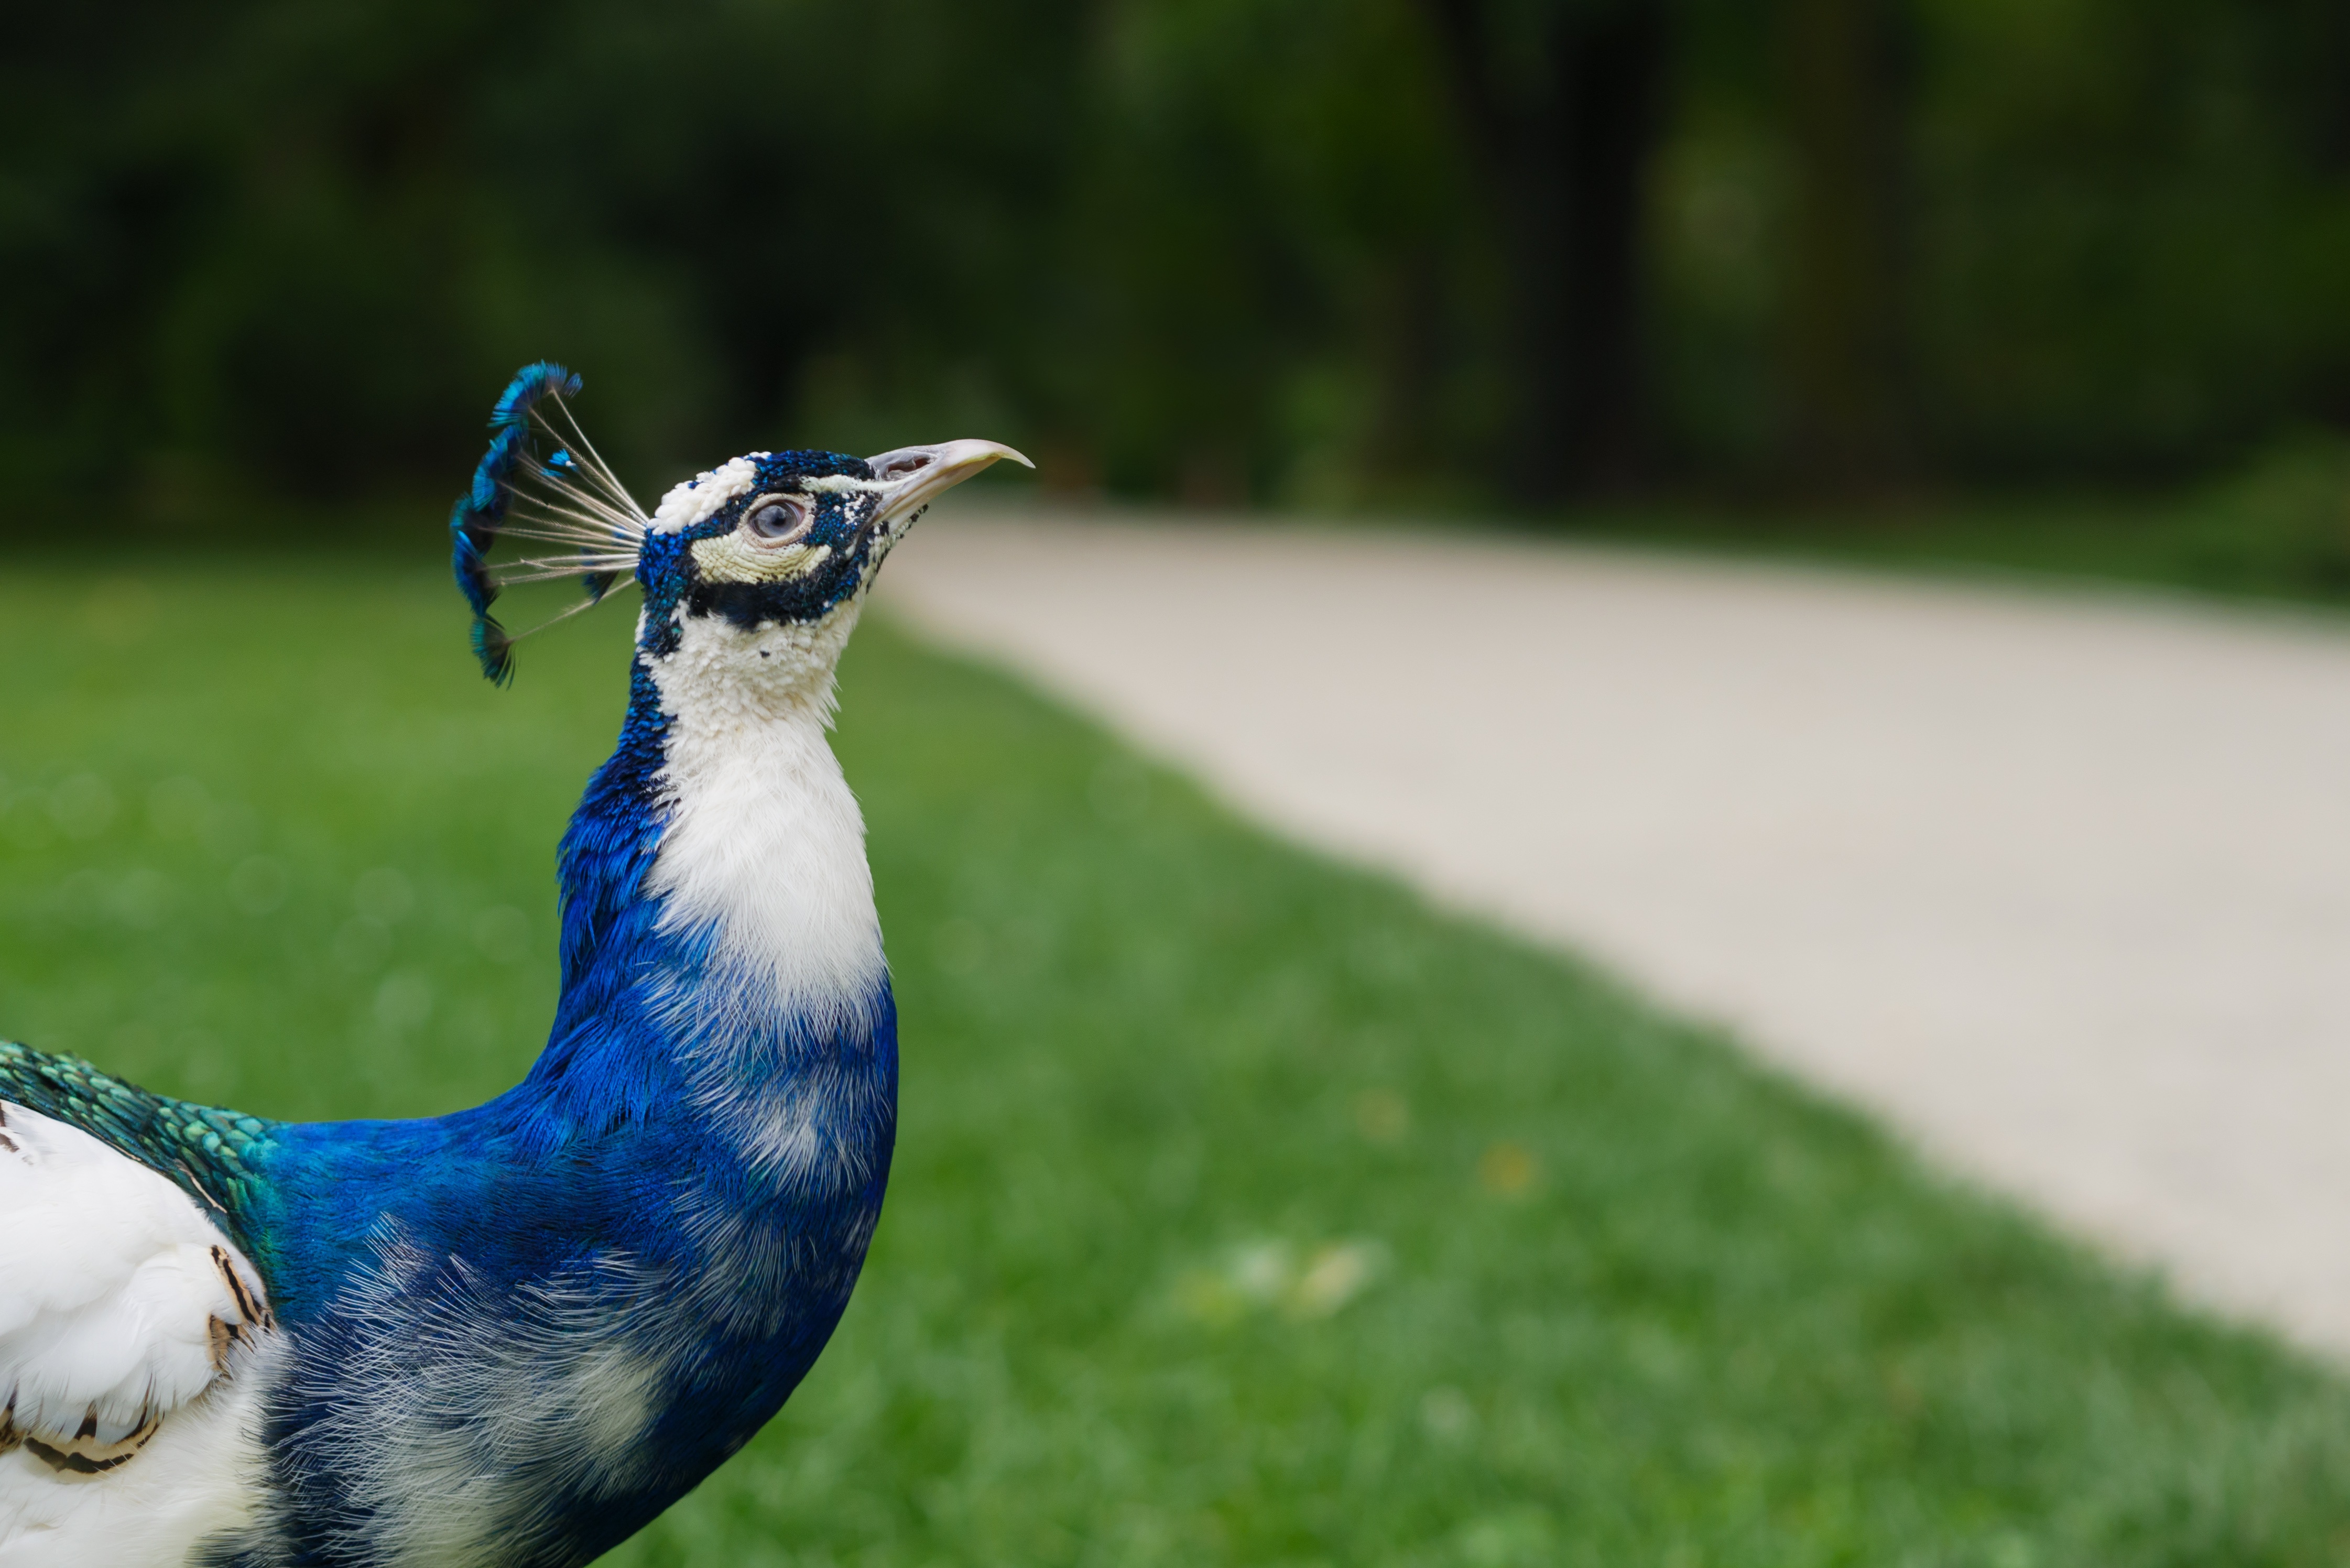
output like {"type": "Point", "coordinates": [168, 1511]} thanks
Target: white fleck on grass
{"type": "Point", "coordinates": [1261, 1270]}
{"type": "Point", "coordinates": [1274, 1275]}
{"type": "Point", "coordinates": [1334, 1275]}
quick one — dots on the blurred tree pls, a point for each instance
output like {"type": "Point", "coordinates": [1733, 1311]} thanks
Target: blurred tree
{"type": "Point", "coordinates": [1847, 371]}
{"type": "Point", "coordinates": [1561, 102]}
{"type": "Point", "coordinates": [1315, 251]}
{"type": "Point", "coordinates": [2133, 223]}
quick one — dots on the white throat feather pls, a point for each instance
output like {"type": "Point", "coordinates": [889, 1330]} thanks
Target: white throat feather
{"type": "Point", "coordinates": [764, 845]}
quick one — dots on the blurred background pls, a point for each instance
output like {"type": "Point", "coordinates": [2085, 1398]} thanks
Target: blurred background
{"type": "Point", "coordinates": [1428, 255]}
{"type": "Point", "coordinates": [1254, 1203]}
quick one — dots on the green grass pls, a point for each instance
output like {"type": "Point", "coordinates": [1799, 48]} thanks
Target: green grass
{"type": "Point", "coordinates": [1246, 1211]}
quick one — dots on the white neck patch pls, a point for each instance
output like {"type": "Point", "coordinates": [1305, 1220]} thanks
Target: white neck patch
{"type": "Point", "coordinates": [764, 843]}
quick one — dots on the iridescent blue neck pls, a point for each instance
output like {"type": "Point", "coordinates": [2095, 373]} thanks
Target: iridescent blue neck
{"type": "Point", "coordinates": [611, 944]}
{"type": "Point", "coordinates": [711, 910]}
{"type": "Point", "coordinates": [692, 1170]}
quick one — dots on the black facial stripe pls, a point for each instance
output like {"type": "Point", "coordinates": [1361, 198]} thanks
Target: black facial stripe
{"type": "Point", "coordinates": [752, 605]}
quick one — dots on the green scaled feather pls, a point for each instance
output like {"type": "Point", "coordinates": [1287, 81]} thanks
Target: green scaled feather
{"type": "Point", "coordinates": [206, 1153]}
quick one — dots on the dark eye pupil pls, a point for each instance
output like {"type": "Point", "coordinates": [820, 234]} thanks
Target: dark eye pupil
{"type": "Point", "coordinates": [772, 520]}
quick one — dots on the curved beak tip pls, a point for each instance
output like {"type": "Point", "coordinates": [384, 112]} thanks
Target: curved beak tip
{"type": "Point", "coordinates": [970, 456]}
{"type": "Point", "coordinates": [919, 474]}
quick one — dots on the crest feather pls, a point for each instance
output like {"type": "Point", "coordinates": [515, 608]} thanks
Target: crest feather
{"type": "Point", "coordinates": [569, 498]}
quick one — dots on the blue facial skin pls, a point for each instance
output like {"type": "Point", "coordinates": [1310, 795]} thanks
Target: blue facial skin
{"type": "Point", "coordinates": [548, 1317]}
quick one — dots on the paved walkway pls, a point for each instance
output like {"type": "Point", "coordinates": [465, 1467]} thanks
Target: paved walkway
{"type": "Point", "coordinates": [2060, 886]}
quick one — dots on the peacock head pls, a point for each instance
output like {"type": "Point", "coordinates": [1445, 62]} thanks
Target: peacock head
{"type": "Point", "coordinates": [765, 556]}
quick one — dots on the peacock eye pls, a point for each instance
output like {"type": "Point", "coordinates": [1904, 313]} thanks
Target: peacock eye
{"type": "Point", "coordinates": [777, 519]}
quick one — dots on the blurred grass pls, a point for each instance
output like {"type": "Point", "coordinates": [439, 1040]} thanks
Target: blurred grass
{"type": "Point", "coordinates": [1246, 1210]}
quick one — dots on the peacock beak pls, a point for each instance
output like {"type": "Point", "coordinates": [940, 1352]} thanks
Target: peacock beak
{"type": "Point", "coordinates": [918, 475]}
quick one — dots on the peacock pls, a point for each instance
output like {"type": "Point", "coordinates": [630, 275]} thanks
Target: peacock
{"type": "Point", "coordinates": [513, 1334]}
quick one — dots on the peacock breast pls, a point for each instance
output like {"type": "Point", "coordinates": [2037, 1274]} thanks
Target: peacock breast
{"type": "Point", "coordinates": [513, 1354]}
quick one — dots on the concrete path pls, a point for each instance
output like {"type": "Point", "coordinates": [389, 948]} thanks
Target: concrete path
{"type": "Point", "coordinates": [2060, 886]}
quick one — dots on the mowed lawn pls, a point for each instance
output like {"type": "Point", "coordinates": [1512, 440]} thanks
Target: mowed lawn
{"type": "Point", "coordinates": [1246, 1210]}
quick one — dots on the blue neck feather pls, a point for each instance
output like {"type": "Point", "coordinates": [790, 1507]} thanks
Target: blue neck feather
{"type": "Point", "coordinates": [633, 1175]}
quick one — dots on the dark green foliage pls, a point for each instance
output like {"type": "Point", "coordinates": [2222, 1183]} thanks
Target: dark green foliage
{"type": "Point", "coordinates": [2135, 227]}
{"type": "Point", "coordinates": [2278, 529]}
{"type": "Point", "coordinates": [1245, 1211]}
{"type": "Point", "coordinates": [2121, 230]}
{"type": "Point", "coordinates": [276, 251]}
{"type": "Point", "coordinates": [293, 248]}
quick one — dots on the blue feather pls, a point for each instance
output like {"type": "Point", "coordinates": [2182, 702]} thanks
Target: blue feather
{"type": "Point", "coordinates": [493, 648]}
{"type": "Point", "coordinates": [465, 557]}
{"type": "Point", "coordinates": [531, 383]}
{"type": "Point", "coordinates": [474, 521]}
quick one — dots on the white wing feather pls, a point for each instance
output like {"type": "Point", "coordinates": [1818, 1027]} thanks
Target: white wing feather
{"type": "Point", "coordinates": [123, 1312]}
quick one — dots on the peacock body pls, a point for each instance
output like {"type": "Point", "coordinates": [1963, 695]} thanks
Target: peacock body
{"type": "Point", "coordinates": [512, 1334]}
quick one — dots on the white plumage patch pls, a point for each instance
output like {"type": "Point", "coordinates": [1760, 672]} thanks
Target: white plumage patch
{"type": "Point", "coordinates": [482, 1405]}
{"type": "Point", "coordinates": [131, 1339]}
{"type": "Point", "coordinates": [845, 484]}
{"type": "Point", "coordinates": [765, 844]}
{"type": "Point", "coordinates": [700, 499]}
